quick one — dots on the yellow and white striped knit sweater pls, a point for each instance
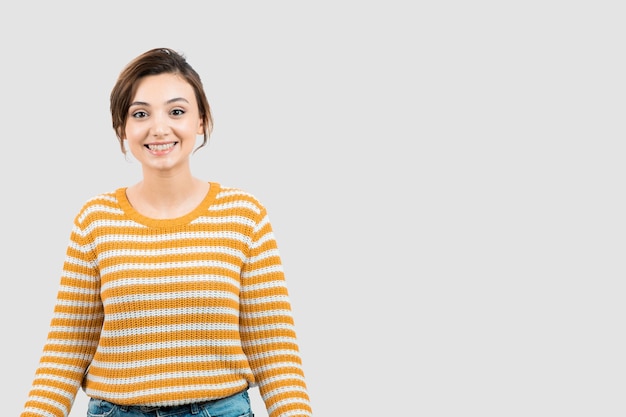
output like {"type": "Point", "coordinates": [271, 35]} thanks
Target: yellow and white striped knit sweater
{"type": "Point", "coordinates": [168, 312]}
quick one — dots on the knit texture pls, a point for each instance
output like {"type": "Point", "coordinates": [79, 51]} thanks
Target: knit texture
{"type": "Point", "coordinates": [169, 312]}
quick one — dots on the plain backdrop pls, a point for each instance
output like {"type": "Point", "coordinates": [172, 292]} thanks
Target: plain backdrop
{"type": "Point", "coordinates": [445, 180]}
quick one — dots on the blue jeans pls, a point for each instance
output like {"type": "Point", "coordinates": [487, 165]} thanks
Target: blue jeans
{"type": "Point", "coordinates": [237, 405]}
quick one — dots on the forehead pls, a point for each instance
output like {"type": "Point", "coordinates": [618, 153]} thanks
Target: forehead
{"type": "Point", "coordinates": [163, 87]}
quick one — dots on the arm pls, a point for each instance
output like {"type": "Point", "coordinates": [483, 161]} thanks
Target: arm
{"type": "Point", "coordinates": [267, 327]}
{"type": "Point", "coordinates": [73, 336]}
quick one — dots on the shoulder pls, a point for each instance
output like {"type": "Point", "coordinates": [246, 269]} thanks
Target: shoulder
{"type": "Point", "coordinates": [226, 193]}
{"type": "Point", "coordinates": [236, 197]}
{"type": "Point", "coordinates": [97, 205]}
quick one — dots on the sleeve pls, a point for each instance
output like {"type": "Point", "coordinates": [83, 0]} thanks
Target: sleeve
{"type": "Point", "coordinates": [73, 335]}
{"type": "Point", "coordinates": [267, 327]}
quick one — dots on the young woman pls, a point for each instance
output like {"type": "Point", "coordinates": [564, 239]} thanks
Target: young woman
{"type": "Point", "coordinates": [172, 299]}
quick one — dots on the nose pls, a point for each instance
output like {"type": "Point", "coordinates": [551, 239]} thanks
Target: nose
{"type": "Point", "coordinates": [160, 126]}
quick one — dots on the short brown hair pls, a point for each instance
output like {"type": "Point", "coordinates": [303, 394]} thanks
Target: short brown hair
{"type": "Point", "coordinates": [153, 62]}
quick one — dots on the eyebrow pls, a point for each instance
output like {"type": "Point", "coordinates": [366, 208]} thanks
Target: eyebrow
{"type": "Point", "coordinates": [170, 101]}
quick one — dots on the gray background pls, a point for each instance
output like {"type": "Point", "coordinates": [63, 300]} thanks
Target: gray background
{"type": "Point", "coordinates": [445, 180]}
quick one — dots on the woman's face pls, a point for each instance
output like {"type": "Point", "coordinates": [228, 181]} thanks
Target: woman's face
{"type": "Point", "coordinates": [163, 123]}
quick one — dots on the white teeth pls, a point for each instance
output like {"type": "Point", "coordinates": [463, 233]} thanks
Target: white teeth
{"type": "Point", "coordinates": [161, 147]}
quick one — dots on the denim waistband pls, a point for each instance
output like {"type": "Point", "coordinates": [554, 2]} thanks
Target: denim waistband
{"type": "Point", "coordinates": [238, 401]}
{"type": "Point", "coordinates": [166, 410]}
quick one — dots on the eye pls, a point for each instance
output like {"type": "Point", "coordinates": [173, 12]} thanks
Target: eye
{"type": "Point", "coordinates": [178, 112]}
{"type": "Point", "coordinates": [139, 114]}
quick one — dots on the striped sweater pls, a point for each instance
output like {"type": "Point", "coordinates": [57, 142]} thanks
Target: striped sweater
{"type": "Point", "coordinates": [168, 312]}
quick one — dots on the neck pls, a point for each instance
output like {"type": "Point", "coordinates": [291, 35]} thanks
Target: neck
{"type": "Point", "coordinates": [167, 196]}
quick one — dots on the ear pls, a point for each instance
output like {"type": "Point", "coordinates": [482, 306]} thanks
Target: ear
{"type": "Point", "coordinates": [200, 127]}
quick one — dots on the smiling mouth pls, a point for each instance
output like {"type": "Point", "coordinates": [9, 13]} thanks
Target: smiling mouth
{"type": "Point", "coordinates": [160, 147]}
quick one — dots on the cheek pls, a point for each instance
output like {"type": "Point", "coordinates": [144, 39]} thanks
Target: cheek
{"type": "Point", "coordinates": [186, 131]}
{"type": "Point", "coordinates": [133, 131]}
